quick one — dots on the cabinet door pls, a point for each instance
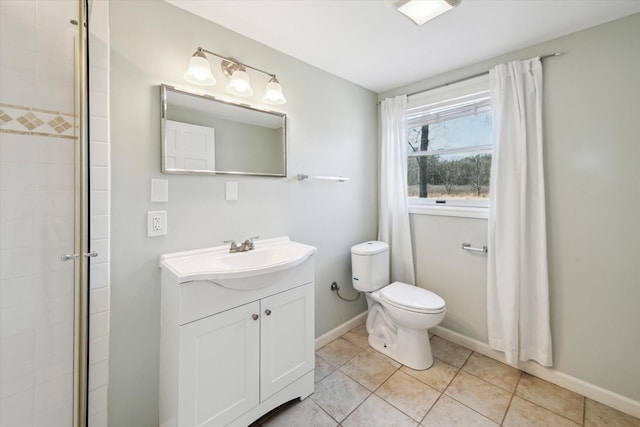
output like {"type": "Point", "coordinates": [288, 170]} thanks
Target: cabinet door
{"type": "Point", "coordinates": [219, 367]}
{"type": "Point", "coordinates": [287, 338]}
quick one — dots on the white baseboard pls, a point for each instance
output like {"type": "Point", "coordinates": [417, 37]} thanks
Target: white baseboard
{"type": "Point", "coordinates": [576, 385]}
{"type": "Point", "coordinates": [341, 329]}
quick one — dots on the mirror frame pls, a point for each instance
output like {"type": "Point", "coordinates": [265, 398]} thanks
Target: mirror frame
{"type": "Point", "coordinates": [163, 118]}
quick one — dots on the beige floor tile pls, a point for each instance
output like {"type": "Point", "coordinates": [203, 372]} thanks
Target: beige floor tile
{"type": "Point", "coordinates": [486, 398]}
{"type": "Point", "coordinates": [550, 396]}
{"type": "Point", "coordinates": [449, 352]}
{"type": "Point", "coordinates": [448, 412]}
{"type": "Point", "coordinates": [293, 413]}
{"type": "Point", "coordinates": [361, 329]}
{"type": "Point", "coordinates": [478, 394]}
{"type": "Point", "coordinates": [406, 393]}
{"type": "Point", "coordinates": [338, 395]}
{"type": "Point", "coordinates": [368, 370]}
{"type": "Point", "coordinates": [338, 351]}
{"type": "Point", "coordinates": [504, 376]}
{"type": "Point", "coordinates": [361, 341]}
{"type": "Point", "coordinates": [597, 415]}
{"type": "Point", "coordinates": [376, 412]}
{"type": "Point", "coordinates": [358, 336]}
{"type": "Point", "coordinates": [438, 376]}
{"type": "Point", "coordinates": [526, 414]}
{"type": "Point", "coordinates": [384, 357]}
{"type": "Point", "coordinates": [323, 368]}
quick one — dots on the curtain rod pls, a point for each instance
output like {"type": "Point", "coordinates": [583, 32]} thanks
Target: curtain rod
{"type": "Point", "coordinates": [472, 77]}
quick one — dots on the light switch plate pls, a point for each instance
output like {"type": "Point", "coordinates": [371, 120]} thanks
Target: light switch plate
{"type": "Point", "coordinates": [156, 223]}
{"type": "Point", "coordinates": [231, 192]}
{"type": "Point", "coordinates": [159, 190]}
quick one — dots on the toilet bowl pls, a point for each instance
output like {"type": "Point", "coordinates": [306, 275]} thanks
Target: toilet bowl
{"type": "Point", "coordinates": [399, 314]}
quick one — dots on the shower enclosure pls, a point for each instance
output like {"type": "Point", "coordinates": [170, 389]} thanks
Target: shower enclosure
{"type": "Point", "coordinates": [45, 252]}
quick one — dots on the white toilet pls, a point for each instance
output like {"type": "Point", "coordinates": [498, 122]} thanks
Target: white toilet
{"type": "Point", "coordinates": [399, 314]}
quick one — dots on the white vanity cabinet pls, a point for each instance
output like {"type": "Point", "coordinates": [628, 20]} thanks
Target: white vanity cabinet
{"type": "Point", "coordinates": [287, 338]}
{"type": "Point", "coordinates": [219, 367]}
{"type": "Point", "coordinates": [229, 356]}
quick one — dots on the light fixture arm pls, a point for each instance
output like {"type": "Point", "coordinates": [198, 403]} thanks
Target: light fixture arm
{"type": "Point", "coordinates": [239, 64]}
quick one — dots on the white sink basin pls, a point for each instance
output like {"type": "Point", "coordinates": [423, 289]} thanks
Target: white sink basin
{"type": "Point", "coordinates": [249, 270]}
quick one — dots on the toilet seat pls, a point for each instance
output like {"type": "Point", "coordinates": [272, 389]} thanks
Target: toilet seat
{"type": "Point", "coordinates": [412, 298]}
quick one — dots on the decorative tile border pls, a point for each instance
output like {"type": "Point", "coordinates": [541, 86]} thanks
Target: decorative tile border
{"type": "Point", "coordinates": [35, 121]}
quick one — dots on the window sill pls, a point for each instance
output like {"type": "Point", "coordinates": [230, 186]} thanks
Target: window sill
{"type": "Point", "coordinates": [457, 211]}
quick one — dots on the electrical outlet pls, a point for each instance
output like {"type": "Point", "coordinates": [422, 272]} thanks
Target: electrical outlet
{"type": "Point", "coordinates": [156, 223]}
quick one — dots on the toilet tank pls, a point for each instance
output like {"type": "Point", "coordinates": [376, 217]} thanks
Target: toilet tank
{"type": "Point", "coordinates": [370, 266]}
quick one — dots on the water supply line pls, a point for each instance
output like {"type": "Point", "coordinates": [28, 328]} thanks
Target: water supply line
{"type": "Point", "coordinates": [336, 288]}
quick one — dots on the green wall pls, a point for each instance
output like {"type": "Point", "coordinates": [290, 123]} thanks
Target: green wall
{"type": "Point", "coordinates": [332, 130]}
{"type": "Point", "coordinates": [592, 173]}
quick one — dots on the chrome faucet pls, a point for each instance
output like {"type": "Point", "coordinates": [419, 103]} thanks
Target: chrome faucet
{"type": "Point", "coordinates": [244, 247]}
{"type": "Point", "coordinates": [234, 246]}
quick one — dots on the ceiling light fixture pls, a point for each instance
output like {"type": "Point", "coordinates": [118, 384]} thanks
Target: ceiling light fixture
{"type": "Point", "coordinates": [199, 73]}
{"type": "Point", "coordinates": [421, 11]}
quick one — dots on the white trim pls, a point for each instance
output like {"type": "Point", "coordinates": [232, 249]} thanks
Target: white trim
{"type": "Point", "coordinates": [463, 88]}
{"type": "Point", "coordinates": [336, 332]}
{"type": "Point", "coordinates": [458, 211]}
{"type": "Point", "coordinates": [599, 394]}
{"type": "Point", "coordinates": [444, 151]}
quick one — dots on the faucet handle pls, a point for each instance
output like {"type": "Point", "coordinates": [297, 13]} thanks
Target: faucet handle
{"type": "Point", "coordinates": [233, 243]}
{"type": "Point", "coordinates": [234, 246]}
{"type": "Point", "coordinates": [249, 242]}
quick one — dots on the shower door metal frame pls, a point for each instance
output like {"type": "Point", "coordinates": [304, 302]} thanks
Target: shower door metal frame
{"type": "Point", "coordinates": [81, 244]}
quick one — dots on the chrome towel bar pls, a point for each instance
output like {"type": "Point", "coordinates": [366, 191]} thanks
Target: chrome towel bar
{"type": "Point", "coordinates": [468, 247]}
{"type": "Point", "coordinates": [302, 177]}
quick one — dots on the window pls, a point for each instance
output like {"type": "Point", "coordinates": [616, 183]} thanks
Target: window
{"type": "Point", "coordinates": [449, 137]}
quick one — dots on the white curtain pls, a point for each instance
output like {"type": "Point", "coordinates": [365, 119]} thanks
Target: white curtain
{"type": "Point", "coordinates": [393, 227]}
{"type": "Point", "coordinates": [517, 279]}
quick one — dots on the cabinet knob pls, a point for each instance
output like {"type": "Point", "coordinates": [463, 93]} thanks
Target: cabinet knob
{"type": "Point", "coordinates": [267, 312]}
{"type": "Point", "coordinates": [254, 316]}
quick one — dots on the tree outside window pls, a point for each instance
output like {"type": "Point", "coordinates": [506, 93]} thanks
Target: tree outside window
{"type": "Point", "coordinates": [450, 154]}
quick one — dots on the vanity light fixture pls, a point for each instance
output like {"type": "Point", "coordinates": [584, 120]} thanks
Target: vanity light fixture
{"type": "Point", "coordinates": [273, 93]}
{"type": "Point", "coordinates": [240, 84]}
{"type": "Point", "coordinates": [421, 11]}
{"type": "Point", "coordinates": [199, 73]}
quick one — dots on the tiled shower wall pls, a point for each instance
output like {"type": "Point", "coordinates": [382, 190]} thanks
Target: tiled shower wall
{"type": "Point", "coordinates": [99, 211]}
{"type": "Point", "coordinates": [37, 137]}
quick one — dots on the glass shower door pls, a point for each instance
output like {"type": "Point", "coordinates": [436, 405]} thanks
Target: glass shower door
{"type": "Point", "coordinates": [39, 140]}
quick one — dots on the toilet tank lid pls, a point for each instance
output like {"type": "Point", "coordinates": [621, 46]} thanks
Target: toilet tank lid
{"type": "Point", "coordinates": [369, 248]}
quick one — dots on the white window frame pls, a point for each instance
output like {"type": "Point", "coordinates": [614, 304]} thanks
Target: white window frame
{"type": "Point", "coordinates": [458, 208]}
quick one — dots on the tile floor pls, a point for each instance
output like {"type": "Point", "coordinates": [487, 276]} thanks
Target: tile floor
{"type": "Point", "coordinates": [357, 386]}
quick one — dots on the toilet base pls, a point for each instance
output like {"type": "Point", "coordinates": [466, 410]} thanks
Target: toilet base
{"type": "Point", "coordinates": [412, 348]}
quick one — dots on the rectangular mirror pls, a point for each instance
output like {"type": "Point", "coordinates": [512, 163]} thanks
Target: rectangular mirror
{"type": "Point", "coordinates": [205, 135]}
